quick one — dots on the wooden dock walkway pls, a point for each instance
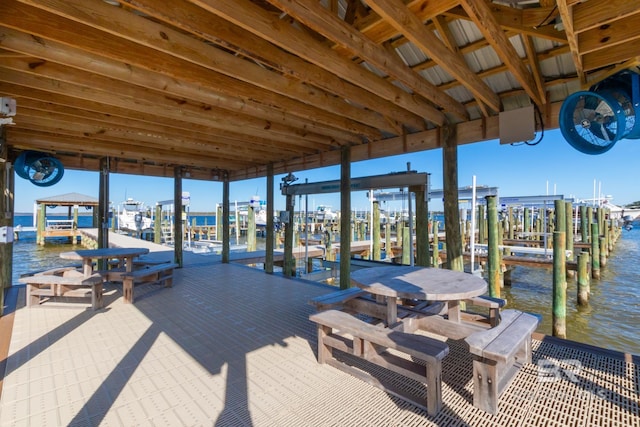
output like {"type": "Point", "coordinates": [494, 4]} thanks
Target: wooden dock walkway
{"type": "Point", "coordinates": [229, 345]}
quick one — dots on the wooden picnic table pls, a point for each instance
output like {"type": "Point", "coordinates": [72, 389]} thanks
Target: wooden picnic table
{"type": "Point", "coordinates": [419, 283]}
{"type": "Point", "coordinates": [125, 255]}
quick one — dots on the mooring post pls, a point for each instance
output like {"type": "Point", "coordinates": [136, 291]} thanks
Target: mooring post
{"type": "Point", "coordinates": [435, 261]}
{"type": "Point", "coordinates": [584, 224]}
{"type": "Point", "coordinates": [603, 251]}
{"type": "Point", "coordinates": [481, 225]}
{"type": "Point", "coordinates": [407, 246]}
{"type": "Point", "coordinates": [595, 251]}
{"type": "Point", "coordinates": [526, 224]}
{"type": "Point", "coordinates": [493, 257]}
{"type": "Point", "coordinates": [157, 225]}
{"type": "Point", "coordinates": [387, 239]}
{"type": "Point", "coordinates": [559, 285]}
{"type": "Point", "coordinates": [511, 222]}
{"type": "Point", "coordinates": [251, 229]}
{"type": "Point", "coordinates": [584, 280]}
{"type": "Point", "coordinates": [375, 233]}
{"type": "Point", "coordinates": [569, 236]}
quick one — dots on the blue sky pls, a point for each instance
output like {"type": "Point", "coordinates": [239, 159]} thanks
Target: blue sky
{"type": "Point", "coordinates": [552, 165]}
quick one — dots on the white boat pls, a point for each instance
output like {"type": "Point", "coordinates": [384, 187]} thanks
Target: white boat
{"type": "Point", "coordinates": [325, 214]}
{"type": "Point", "coordinates": [134, 216]}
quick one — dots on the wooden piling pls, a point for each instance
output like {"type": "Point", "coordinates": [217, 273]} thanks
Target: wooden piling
{"type": "Point", "coordinates": [569, 235]}
{"type": "Point", "coordinates": [375, 233]}
{"type": "Point", "coordinates": [603, 251]}
{"type": "Point", "coordinates": [584, 280]}
{"type": "Point", "coordinates": [435, 246]}
{"type": "Point", "coordinates": [493, 261]}
{"type": "Point", "coordinates": [559, 285]}
{"type": "Point", "coordinates": [595, 251]}
{"type": "Point", "coordinates": [251, 229]}
{"type": "Point", "coordinates": [584, 224]}
{"type": "Point", "coordinates": [407, 246]}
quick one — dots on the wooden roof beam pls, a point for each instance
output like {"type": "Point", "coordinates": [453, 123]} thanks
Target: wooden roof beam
{"type": "Point", "coordinates": [139, 123]}
{"type": "Point", "coordinates": [175, 55]}
{"type": "Point", "coordinates": [191, 18]}
{"type": "Point", "coordinates": [254, 19]}
{"type": "Point", "coordinates": [86, 61]}
{"type": "Point", "coordinates": [406, 22]}
{"type": "Point", "coordinates": [34, 140]}
{"type": "Point", "coordinates": [315, 16]}
{"type": "Point", "coordinates": [481, 14]}
{"type": "Point", "coordinates": [566, 13]}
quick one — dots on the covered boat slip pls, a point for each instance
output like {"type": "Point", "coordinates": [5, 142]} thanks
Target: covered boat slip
{"type": "Point", "coordinates": [233, 346]}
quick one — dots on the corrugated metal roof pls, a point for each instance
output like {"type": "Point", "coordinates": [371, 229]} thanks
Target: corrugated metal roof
{"type": "Point", "coordinates": [69, 199]}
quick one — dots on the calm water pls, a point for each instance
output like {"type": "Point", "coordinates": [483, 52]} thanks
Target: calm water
{"type": "Point", "coordinates": [611, 321]}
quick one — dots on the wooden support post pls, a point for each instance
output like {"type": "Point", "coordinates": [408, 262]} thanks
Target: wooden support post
{"type": "Point", "coordinates": [511, 223]}
{"type": "Point", "coordinates": [407, 246]}
{"type": "Point", "coordinates": [449, 145]}
{"type": "Point", "coordinates": [422, 227]}
{"type": "Point", "coordinates": [225, 219]}
{"type": "Point", "coordinates": [251, 229]}
{"type": "Point", "coordinates": [584, 280]}
{"type": "Point", "coordinates": [74, 238]}
{"type": "Point", "coordinates": [569, 236]}
{"type": "Point", "coordinates": [387, 239]}
{"type": "Point", "coordinates": [177, 203]}
{"type": "Point", "coordinates": [584, 224]}
{"type": "Point", "coordinates": [481, 225]}
{"type": "Point", "coordinates": [157, 225]}
{"type": "Point", "coordinates": [606, 236]}
{"type": "Point", "coordinates": [42, 219]}
{"type": "Point", "coordinates": [493, 256]}
{"type": "Point", "coordinates": [289, 267]}
{"type": "Point", "coordinates": [559, 285]}
{"type": "Point", "coordinates": [526, 224]}
{"type": "Point", "coordinates": [328, 245]}
{"type": "Point", "coordinates": [7, 201]}
{"type": "Point", "coordinates": [595, 251]}
{"type": "Point", "coordinates": [375, 233]}
{"type": "Point", "coordinates": [436, 246]}
{"type": "Point", "coordinates": [603, 251]}
{"type": "Point", "coordinates": [218, 222]}
{"type": "Point", "coordinates": [345, 226]}
{"type": "Point", "coordinates": [271, 235]}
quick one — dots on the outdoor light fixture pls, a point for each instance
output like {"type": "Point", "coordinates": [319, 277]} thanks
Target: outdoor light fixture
{"type": "Point", "coordinates": [287, 180]}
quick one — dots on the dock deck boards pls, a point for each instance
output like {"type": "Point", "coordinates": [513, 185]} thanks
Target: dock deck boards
{"type": "Point", "coordinates": [234, 346]}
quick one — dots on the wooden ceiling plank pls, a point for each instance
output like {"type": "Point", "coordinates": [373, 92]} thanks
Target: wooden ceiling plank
{"type": "Point", "coordinates": [482, 16]}
{"type": "Point", "coordinates": [179, 147]}
{"type": "Point", "coordinates": [607, 57]}
{"type": "Point", "coordinates": [203, 135]}
{"type": "Point", "coordinates": [101, 89]}
{"type": "Point", "coordinates": [609, 36]}
{"type": "Point", "coordinates": [254, 19]}
{"type": "Point", "coordinates": [58, 53]}
{"type": "Point", "coordinates": [566, 13]}
{"type": "Point", "coordinates": [30, 87]}
{"type": "Point", "coordinates": [109, 114]}
{"type": "Point", "coordinates": [191, 18]}
{"type": "Point", "coordinates": [138, 30]}
{"type": "Point", "coordinates": [593, 14]}
{"type": "Point", "coordinates": [135, 135]}
{"type": "Point", "coordinates": [315, 16]}
{"type": "Point", "coordinates": [49, 142]}
{"type": "Point", "coordinates": [395, 12]}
